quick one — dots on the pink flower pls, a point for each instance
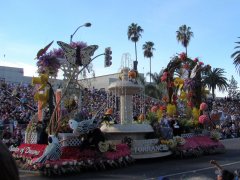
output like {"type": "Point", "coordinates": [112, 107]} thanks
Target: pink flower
{"type": "Point", "coordinates": [154, 109]}
{"type": "Point", "coordinates": [163, 78]}
{"type": "Point", "coordinates": [203, 119]}
{"type": "Point", "coordinates": [165, 74]}
{"type": "Point", "coordinates": [201, 63]}
{"type": "Point", "coordinates": [195, 60]}
{"type": "Point", "coordinates": [203, 106]}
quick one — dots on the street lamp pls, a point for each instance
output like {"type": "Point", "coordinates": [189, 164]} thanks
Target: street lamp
{"type": "Point", "coordinates": [86, 25]}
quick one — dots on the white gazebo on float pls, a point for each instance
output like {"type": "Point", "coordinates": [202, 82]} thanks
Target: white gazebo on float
{"type": "Point", "coordinates": [140, 146]}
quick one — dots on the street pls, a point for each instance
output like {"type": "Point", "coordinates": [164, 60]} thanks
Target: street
{"type": "Point", "coordinates": [194, 168]}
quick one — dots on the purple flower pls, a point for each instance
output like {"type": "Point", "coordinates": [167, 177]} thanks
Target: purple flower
{"type": "Point", "coordinates": [189, 83]}
{"type": "Point", "coordinates": [49, 63]}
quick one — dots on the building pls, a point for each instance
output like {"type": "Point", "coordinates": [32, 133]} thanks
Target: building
{"type": "Point", "coordinates": [100, 82]}
{"type": "Point", "coordinates": [13, 75]}
{"type": "Point", "coordinates": [16, 75]}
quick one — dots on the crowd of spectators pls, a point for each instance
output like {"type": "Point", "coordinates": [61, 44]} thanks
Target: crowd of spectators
{"type": "Point", "coordinates": [229, 116]}
{"type": "Point", "coordinates": [16, 109]}
{"type": "Point", "coordinates": [18, 106]}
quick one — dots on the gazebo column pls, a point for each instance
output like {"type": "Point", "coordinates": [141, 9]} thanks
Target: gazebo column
{"type": "Point", "coordinates": [126, 109]}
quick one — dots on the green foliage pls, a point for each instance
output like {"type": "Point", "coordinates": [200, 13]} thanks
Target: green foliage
{"type": "Point", "coordinates": [215, 78]}
{"type": "Point", "coordinates": [233, 91]}
{"type": "Point", "coordinates": [236, 57]}
{"type": "Point", "coordinates": [152, 117]}
{"type": "Point", "coordinates": [184, 35]}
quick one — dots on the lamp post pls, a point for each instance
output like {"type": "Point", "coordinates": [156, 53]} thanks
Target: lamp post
{"type": "Point", "coordinates": [86, 25]}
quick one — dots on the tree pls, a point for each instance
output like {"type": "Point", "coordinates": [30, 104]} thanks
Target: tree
{"type": "Point", "coordinates": [236, 57]}
{"type": "Point", "coordinates": [232, 89]}
{"type": "Point", "coordinates": [156, 88]}
{"type": "Point", "coordinates": [134, 33]}
{"type": "Point", "coordinates": [148, 53]}
{"type": "Point", "coordinates": [215, 78]}
{"type": "Point", "coordinates": [184, 35]}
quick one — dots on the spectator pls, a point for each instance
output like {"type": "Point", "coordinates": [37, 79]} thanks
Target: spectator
{"type": "Point", "coordinates": [8, 166]}
{"type": "Point", "coordinates": [223, 174]}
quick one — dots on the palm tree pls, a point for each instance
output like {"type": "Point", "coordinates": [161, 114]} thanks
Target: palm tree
{"type": "Point", "coordinates": [215, 78]}
{"type": "Point", "coordinates": [148, 52]}
{"type": "Point", "coordinates": [156, 89]}
{"type": "Point", "coordinates": [184, 35]}
{"type": "Point", "coordinates": [134, 33]}
{"type": "Point", "coordinates": [236, 56]}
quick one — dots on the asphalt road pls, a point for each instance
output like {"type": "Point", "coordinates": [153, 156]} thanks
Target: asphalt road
{"type": "Point", "coordinates": [151, 169]}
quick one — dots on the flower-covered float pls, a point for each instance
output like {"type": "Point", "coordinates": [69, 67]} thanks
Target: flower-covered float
{"type": "Point", "coordinates": [59, 140]}
{"type": "Point", "coordinates": [192, 130]}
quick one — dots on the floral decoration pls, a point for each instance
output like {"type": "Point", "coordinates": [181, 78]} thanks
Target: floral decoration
{"type": "Point", "coordinates": [203, 106]}
{"type": "Point", "coordinates": [203, 119]}
{"type": "Point", "coordinates": [49, 62]}
{"type": "Point", "coordinates": [215, 135]}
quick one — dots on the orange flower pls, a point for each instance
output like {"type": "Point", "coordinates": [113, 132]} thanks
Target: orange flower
{"type": "Point", "coordinates": [141, 117]}
{"type": "Point", "coordinates": [162, 108]}
{"type": "Point", "coordinates": [165, 98]}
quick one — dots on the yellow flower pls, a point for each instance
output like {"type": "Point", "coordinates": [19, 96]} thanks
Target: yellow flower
{"type": "Point", "coordinates": [195, 113]}
{"type": "Point", "coordinates": [159, 114]}
{"type": "Point", "coordinates": [183, 95]}
{"type": "Point", "coordinates": [171, 109]}
{"type": "Point", "coordinates": [178, 82]}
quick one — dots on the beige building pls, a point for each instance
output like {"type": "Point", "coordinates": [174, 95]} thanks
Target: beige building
{"type": "Point", "coordinates": [13, 75]}
{"type": "Point", "coordinates": [16, 75]}
{"type": "Point", "coordinates": [100, 82]}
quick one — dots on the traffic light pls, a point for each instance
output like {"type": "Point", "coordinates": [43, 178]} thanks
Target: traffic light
{"type": "Point", "coordinates": [108, 57]}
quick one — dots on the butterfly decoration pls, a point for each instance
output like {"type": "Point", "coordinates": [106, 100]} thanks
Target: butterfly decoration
{"type": "Point", "coordinates": [194, 71]}
{"type": "Point", "coordinates": [43, 50]}
{"type": "Point", "coordinates": [79, 57]}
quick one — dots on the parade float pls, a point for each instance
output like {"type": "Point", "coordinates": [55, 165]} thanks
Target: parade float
{"type": "Point", "coordinates": [127, 131]}
{"type": "Point", "coordinates": [60, 140]}
{"type": "Point", "coordinates": [194, 127]}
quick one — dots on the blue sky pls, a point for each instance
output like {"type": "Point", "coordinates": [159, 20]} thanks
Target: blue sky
{"type": "Point", "coordinates": [27, 26]}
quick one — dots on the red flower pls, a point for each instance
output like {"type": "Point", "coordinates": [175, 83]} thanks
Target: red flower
{"type": "Point", "coordinates": [170, 84]}
{"type": "Point", "coordinates": [174, 97]}
{"type": "Point", "coordinates": [190, 104]}
{"type": "Point", "coordinates": [182, 56]}
{"type": "Point", "coordinates": [163, 78]}
{"type": "Point", "coordinates": [186, 66]}
{"type": "Point", "coordinates": [162, 108]}
{"type": "Point", "coordinates": [189, 95]}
